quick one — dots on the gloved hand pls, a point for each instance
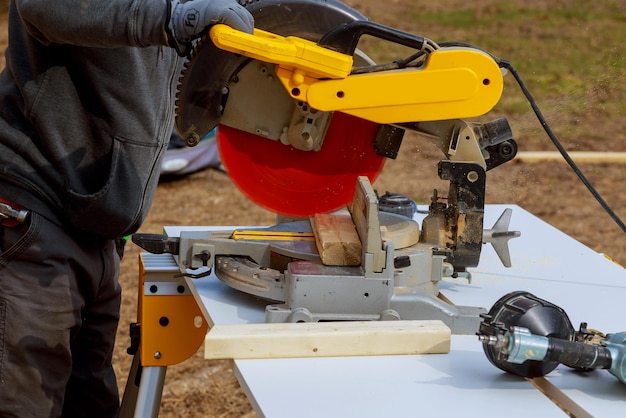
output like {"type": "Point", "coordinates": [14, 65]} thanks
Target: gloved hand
{"type": "Point", "coordinates": [191, 19]}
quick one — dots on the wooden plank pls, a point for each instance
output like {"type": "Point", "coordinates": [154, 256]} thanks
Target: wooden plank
{"type": "Point", "coordinates": [326, 339]}
{"type": "Point", "coordinates": [577, 156]}
{"type": "Point", "coordinates": [337, 240]}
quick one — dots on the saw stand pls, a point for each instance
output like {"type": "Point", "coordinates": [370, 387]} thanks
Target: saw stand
{"type": "Point", "coordinates": [170, 328]}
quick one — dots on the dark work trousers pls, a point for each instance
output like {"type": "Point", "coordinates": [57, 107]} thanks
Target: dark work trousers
{"type": "Point", "coordinates": [59, 309]}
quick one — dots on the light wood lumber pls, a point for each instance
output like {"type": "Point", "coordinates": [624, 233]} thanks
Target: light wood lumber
{"type": "Point", "coordinates": [326, 339]}
{"type": "Point", "coordinates": [577, 156]}
{"type": "Point", "coordinates": [336, 238]}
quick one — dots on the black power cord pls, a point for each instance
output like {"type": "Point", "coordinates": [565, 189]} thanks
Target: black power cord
{"type": "Point", "coordinates": [507, 65]}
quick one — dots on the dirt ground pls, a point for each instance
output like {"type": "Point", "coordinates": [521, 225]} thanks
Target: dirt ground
{"type": "Point", "coordinates": [200, 388]}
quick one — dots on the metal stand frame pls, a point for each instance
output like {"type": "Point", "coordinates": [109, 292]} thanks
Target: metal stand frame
{"type": "Point", "coordinates": [170, 328]}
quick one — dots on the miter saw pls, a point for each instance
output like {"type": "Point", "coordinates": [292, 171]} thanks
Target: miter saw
{"type": "Point", "coordinates": [306, 122]}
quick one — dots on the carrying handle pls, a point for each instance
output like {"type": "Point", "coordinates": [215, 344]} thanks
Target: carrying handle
{"type": "Point", "coordinates": [345, 37]}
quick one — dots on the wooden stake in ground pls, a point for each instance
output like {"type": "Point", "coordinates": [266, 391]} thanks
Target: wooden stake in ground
{"type": "Point", "coordinates": [577, 156]}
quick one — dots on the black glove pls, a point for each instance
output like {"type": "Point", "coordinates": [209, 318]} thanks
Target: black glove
{"type": "Point", "coordinates": [191, 19]}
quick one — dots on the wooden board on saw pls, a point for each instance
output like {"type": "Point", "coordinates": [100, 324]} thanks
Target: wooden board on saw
{"type": "Point", "coordinates": [326, 339]}
{"type": "Point", "coordinates": [337, 240]}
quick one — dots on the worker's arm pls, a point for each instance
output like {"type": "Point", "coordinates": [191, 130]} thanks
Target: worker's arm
{"type": "Point", "coordinates": [117, 23]}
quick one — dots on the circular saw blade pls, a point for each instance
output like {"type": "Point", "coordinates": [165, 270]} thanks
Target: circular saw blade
{"type": "Point", "coordinates": [298, 183]}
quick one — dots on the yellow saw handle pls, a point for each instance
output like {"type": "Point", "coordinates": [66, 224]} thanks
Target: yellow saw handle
{"type": "Point", "coordinates": [291, 52]}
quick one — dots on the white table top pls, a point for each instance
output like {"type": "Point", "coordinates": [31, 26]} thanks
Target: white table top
{"type": "Point", "coordinates": [546, 262]}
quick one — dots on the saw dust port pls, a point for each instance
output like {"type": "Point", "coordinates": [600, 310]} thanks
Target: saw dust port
{"type": "Point", "coordinates": [583, 101]}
